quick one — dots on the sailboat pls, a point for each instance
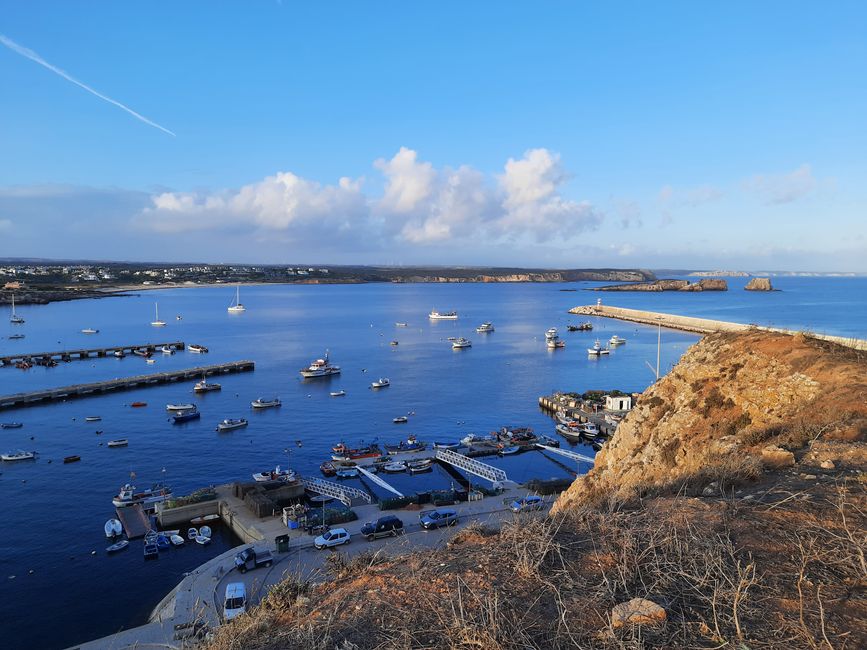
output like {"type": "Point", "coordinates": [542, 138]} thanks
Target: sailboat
{"type": "Point", "coordinates": [157, 322]}
{"type": "Point", "coordinates": [237, 307]}
{"type": "Point", "coordinates": [15, 318]}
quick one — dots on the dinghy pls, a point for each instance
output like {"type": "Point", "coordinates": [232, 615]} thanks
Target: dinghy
{"type": "Point", "coordinates": [11, 425]}
{"type": "Point", "coordinates": [180, 407]}
{"type": "Point", "coordinates": [163, 543]}
{"type": "Point", "coordinates": [177, 540]}
{"type": "Point", "coordinates": [338, 393]}
{"type": "Point", "coordinates": [113, 528]}
{"type": "Point", "coordinates": [93, 418]}
{"type": "Point", "coordinates": [200, 539]}
{"type": "Point", "coordinates": [192, 533]}
{"type": "Point", "coordinates": [151, 552]}
{"type": "Point", "coordinates": [395, 468]}
{"type": "Point", "coordinates": [122, 442]}
{"type": "Point", "coordinates": [117, 546]}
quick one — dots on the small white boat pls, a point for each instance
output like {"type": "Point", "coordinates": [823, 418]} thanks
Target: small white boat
{"type": "Point", "coordinates": [338, 393]}
{"type": "Point", "coordinates": [551, 333]}
{"type": "Point", "coordinates": [113, 528]}
{"type": "Point", "coordinates": [198, 521]}
{"type": "Point", "coordinates": [597, 349]}
{"type": "Point", "coordinates": [231, 425]}
{"type": "Point", "coordinates": [18, 455]}
{"type": "Point", "coordinates": [156, 322]}
{"type": "Point", "coordinates": [382, 382]}
{"type": "Point", "coordinates": [400, 419]}
{"type": "Point", "coordinates": [616, 340]}
{"type": "Point", "coordinates": [177, 540]}
{"type": "Point", "coordinates": [192, 533]}
{"type": "Point", "coordinates": [11, 425]}
{"type": "Point", "coordinates": [347, 472]}
{"type": "Point", "coordinates": [236, 307]}
{"type": "Point", "coordinates": [120, 354]}
{"type": "Point", "coordinates": [443, 315]}
{"type": "Point", "coordinates": [93, 418]}
{"type": "Point", "coordinates": [15, 318]}
{"type": "Point", "coordinates": [275, 474]}
{"type": "Point", "coordinates": [180, 407]}
{"type": "Point", "coordinates": [89, 330]}
{"type": "Point", "coordinates": [205, 531]}
{"type": "Point", "coordinates": [555, 344]}
{"type": "Point", "coordinates": [265, 403]}
{"type": "Point", "coordinates": [117, 546]}
{"type": "Point", "coordinates": [419, 466]}
{"type": "Point", "coordinates": [394, 468]}
{"type": "Point", "coordinates": [150, 360]}
{"type": "Point", "coordinates": [121, 442]}
{"type": "Point", "coordinates": [167, 349]}
{"type": "Point", "coordinates": [205, 387]}
{"type": "Point", "coordinates": [201, 539]}
{"type": "Point", "coordinates": [461, 343]}
{"type": "Point", "coordinates": [198, 349]}
{"type": "Point", "coordinates": [320, 368]}
{"type": "Point", "coordinates": [485, 327]}
{"type": "Point", "coordinates": [400, 324]}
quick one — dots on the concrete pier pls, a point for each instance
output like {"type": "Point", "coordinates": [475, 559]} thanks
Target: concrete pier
{"type": "Point", "coordinates": [699, 325]}
{"type": "Point", "coordinates": [139, 381]}
{"type": "Point", "coordinates": [85, 353]}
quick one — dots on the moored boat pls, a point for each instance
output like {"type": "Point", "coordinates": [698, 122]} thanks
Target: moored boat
{"type": "Point", "coordinates": [399, 324]}
{"type": "Point", "coordinates": [616, 340]}
{"type": "Point", "coordinates": [408, 445]}
{"type": "Point", "coordinates": [120, 442]}
{"type": "Point", "coordinates": [231, 425]}
{"type": "Point", "coordinates": [198, 349]}
{"type": "Point", "coordinates": [342, 452]}
{"type": "Point", "coordinates": [400, 419]}
{"type": "Point", "coordinates": [18, 455]}
{"type": "Point", "coordinates": [568, 432]}
{"type": "Point", "coordinates": [113, 528]}
{"type": "Point", "coordinates": [71, 459]}
{"type": "Point", "coordinates": [151, 551]}
{"type": "Point", "coordinates": [156, 322]}
{"type": "Point", "coordinates": [198, 521]}
{"type": "Point", "coordinates": [346, 472]}
{"type": "Point", "coordinates": [167, 349]}
{"type": "Point", "coordinates": [129, 497]}
{"type": "Point", "coordinates": [192, 533]}
{"type": "Point", "coordinates": [201, 539]}
{"type": "Point", "coordinates": [138, 405]}
{"type": "Point", "coordinates": [120, 354]}
{"type": "Point", "coordinates": [186, 416]}
{"type": "Point", "coordinates": [461, 343]}
{"type": "Point", "coordinates": [555, 343]}
{"type": "Point", "coordinates": [236, 307]}
{"type": "Point", "coordinates": [394, 468]}
{"type": "Point", "coordinates": [92, 418]}
{"type": "Point", "coordinates": [15, 318]}
{"type": "Point", "coordinates": [276, 474]}
{"type": "Point", "coordinates": [204, 386]}
{"type": "Point", "coordinates": [597, 349]}
{"type": "Point", "coordinates": [11, 425]}
{"type": "Point", "coordinates": [338, 393]}
{"type": "Point", "coordinates": [265, 403]}
{"type": "Point", "coordinates": [89, 330]}
{"type": "Point", "coordinates": [443, 315]}
{"type": "Point", "coordinates": [382, 382]}
{"type": "Point", "coordinates": [117, 546]}
{"type": "Point", "coordinates": [446, 445]}
{"type": "Point", "coordinates": [205, 531]}
{"type": "Point", "coordinates": [487, 326]}
{"type": "Point", "coordinates": [177, 540]}
{"type": "Point", "coordinates": [320, 368]}
{"type": "Point", "coordinates": [509, 450]}
{"type": "Point", "coordinates": [419, 466]}
{"type": "Point", "coordinates": [180, 407]}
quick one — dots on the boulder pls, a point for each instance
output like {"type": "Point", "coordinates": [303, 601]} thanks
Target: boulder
{"type": "Point", "coordinates": [638, 611]}
{"type": "Point", "coordinates": [827, 464]}
{"type": "Point", "coordinates": [776, 457]}
{"type": "Point", "coordinates": [759, 284]}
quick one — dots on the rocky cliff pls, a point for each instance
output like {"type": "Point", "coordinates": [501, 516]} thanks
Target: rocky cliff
{"type": "Point", "coordinates": [759, 284]}
{"type": "Point", "coordinates": [670, 285]}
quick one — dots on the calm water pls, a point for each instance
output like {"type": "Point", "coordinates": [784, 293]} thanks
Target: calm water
{"type": "Point", "coordinates": [53, 513]}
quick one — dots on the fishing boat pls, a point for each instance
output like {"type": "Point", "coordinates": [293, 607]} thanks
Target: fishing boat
{"type": "Point", "coordinates": [236, 307]}
{"type": "Point", "coordinates": [129, 497]}
{"type": "Point", "coordinates": [341, 452]}
{"type": "Point", "coordinates": [198, 349]}
{"type": "Point", "coordinates": [419, 466]}
{"type": "Point", "coordinates": [205, 531]}
{"type": "Point", "coordinates": [15, 318]}
{"type": "Point", "coordinates": [120, 442]}
{"type": "Point", "coordinates": [460, 343]}
{"type": "Point", "coordinates": [597, 349]}
{"type": "Point", "coordinates": [156, 322]}
{"type": "Point", "coordinates": [446, 445]}
{"type": "Point", "coordinates": [71, 459]}
{"type": "Point", "coordinates": [151, 551]}
{"type": "Point", "coordinates": [548, 441]}
{"type": "Point", "coordinates": [18, 455]}
{"type": "Point", "coordinates": [409, 445]}
{"type": "Point", "coordinates": [394, 468]}
{"type": "Point", "coordinates": [590, 429]}
{"type": "Point", "coordinates": [11, 425]}
{"type": "Point", "coordinates": [231, 425]}
{"type": "Point", "coordinates": [551, 333]}
{"type": "Point", "coordinates": [13, 337]}
{"type": "Point", "coordinates": [277, 474]}
{"type": "Point", "coordinates": [443, 315]}
{"type": "Point", "coordinates": [180, 407]}
{"type": "Point", "coordinates": [138, 405]}
{"type": "Point", "coordinates": [177, 540]}
{"type": "Point", "coordinates": [555, 344]}
{"type": "Point", "coordinates": [568, 432]}
{"type": "Point", "coordinates": [204, 386]}
{"type": "Point", "coordinates": [583, 327]}
{"type": "Point", "coordinates": [89, 330]}
{"type": "Point", "coordinates": [347, 472]}
{"type": "Point", "coordinates": [192, 533]}
{"type": "Point", "coordinates": [113, 528]}
{"type": "Point", "coordinates": [119, 354]}
{"type": "Point", "coordinates": [382, 382]}
{"type": "Point", "coordinates": [198, 521]}
{"type": "Point", "coordinates": [265, 403]}
{"type": "Point", "coordinates": [320, 368]}
{"type": "Point", "coordinates": [400, 419]}
{"type": "Point", "coordinates": [328, 468]}
{"type": "Point", "coordinates": [616, 340]}
{"type": "Point", "coordinates": [166, 349]}
{"type": "Point", "coordinates": [93, 418]}
{"type": "Point", "coordinates": [485, 327]}
{"type": "Point", "coordinates": [117, 546]}
{"type": "Point", "coordinates": [186, 416]}
{"type": "Point", "coordinates": [338, 393]}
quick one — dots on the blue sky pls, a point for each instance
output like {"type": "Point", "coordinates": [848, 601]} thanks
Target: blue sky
{"type": "Point", "coordinates": [629, 134]}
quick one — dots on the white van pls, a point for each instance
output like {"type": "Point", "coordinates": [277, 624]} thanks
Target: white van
{"type": "Point", "coordinates": [236, 600]}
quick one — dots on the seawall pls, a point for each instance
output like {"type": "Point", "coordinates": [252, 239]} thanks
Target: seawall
{"type": "Point", "coordinates": [699, 325]}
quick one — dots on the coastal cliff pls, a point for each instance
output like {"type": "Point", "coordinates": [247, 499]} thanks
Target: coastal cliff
{"type": "Point", "coordinates": [728, 510]}
{"type": "Point", "coordinates": [669, 285]}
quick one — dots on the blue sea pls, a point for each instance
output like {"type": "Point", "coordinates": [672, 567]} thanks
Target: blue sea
{"type": "Point", "coordinates": [53, 513]}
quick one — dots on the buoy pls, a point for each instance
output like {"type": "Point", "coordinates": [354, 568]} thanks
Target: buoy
{"type": "Point", "coordinates": [93, 552]}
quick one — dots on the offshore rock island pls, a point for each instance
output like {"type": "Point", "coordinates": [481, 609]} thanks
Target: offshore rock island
{"type": "Point", "coordinates": [669, 285]}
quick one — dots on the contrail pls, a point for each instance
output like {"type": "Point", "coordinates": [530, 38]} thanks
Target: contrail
{"type": "Point", "coordinates": [33, 56]}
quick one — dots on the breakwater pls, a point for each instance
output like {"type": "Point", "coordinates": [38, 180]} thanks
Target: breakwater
{"type": "Point", "coordinates": [86, 353]}
{"type": "Point", "coordinates": [138, 381]}
{"type": "Point", "coordinates": [699, 325]}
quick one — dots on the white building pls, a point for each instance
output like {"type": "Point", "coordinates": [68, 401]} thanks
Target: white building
{"type": "Point", "coordinates": [619, 403]}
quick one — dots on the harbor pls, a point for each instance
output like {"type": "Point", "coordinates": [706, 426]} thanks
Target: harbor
{"type": "Point", "coordinates": [34, 398]}
{"type": "Point", "coordinates": [86, 353]}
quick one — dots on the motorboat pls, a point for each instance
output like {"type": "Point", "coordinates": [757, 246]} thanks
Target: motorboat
{"type": "Point", "coordinates": [597, 349]}
{"type": "Point", "coordinates": [129, 497]}
{"type": "Point", "coordinates": [475, 437]}
{"type": "Point", "coordinates": [394, 468]}
{"type": "Point", "coordinates": [400, 419]}
{"type": "Point", "coordinates": [180, 407]}
{"type": "Point", "coordinates": [419, 466]}
{"type": "Point", "coordinates": [236, 307]}
{"type": "Point", "coordinates": [138, 405]}
{"type": "Point", "coordinates": [400, 324]}
{"type": "Point", "coordinates": [583, 327]}
{"type": "Point", "coordinates": [485, 327]}
{"type": "Point", "coordinates": [551, 333]}
{"type": "Point", "coordinates": [120, 354]}
{"type": "Point", "coordinates": [205, 387]}
{"type": "Point", "coordinates": [198, 349]}
{"type": "Point", "coordinates": [141, 353]}
{"type": "Point", "coordinates": [555, 343]}
{"type": "Point", "coordinates": [340, 452]}
{"type": "Point", "coordinates": [320, 368]}
{"type": "Point", "coordinates": [120, 442]}
{"type": "Point", "coordinates": [156, 322]}
{"type": "Point", "coordinates": [616, 340]}
{"type": "Point", "coordinates": [18, 455]}
{"type": "Point", "coordinates": [231, 425]}
{"type": "Point", "coordinates": [71, 459]}
{"type": "Point", "coordinates": [11, 425]}
{"type": "Point", "coordinates": [346, 472]}
{"type": "Point", "coordinates": [328, 468]}
{"type": "Point", "coordinates": [192, 533]}
{"type": "Point", "coordinates": [14, 337]}
{"type": "Point", "coordinates": [92, 418]}
{"type": "Point", "coordinates": [113, 528]}
{"type": "Point", "coordinates": [443, 315]}
{"type": "Point", "coordinates": [265, 403]}
{"type": "Point", "coordinates": [276, 474]}
{"type": "Point", "coordinates": [150, 360]}
{"type": "Point", "coordinates": [590, 429]}
{"type": "Point", "coordinates": [117, 546]}
{"type": "Point", "coordinates": [167, 349]}
{"type": "Point", "coordinates": [205, 531]}
{"type": "Point", "coordinates": [186, 416]}
{"type": "Point", "coordinates": [568, 432]}
{"type": "Point", "coordinates": [201, 539]}
{"type": "Point", "coordinates": [409, 445]}
{"type": "Point", "coordinates": [151, 551]}
{"type": "Point", "coordinates": [15, 318]}
{"type": "Point", "coordinates": [338, 393]}
{"type": "Point", "coordinates": [509, 451]}
{"type": "Point", "coordinates": [89, 330]}
{"type": "Point", "coordinates": [548, 441]}
{"type": "Point", "coordinates": [394, 343]}
{"type": "Point", "coordinates": [461, 343]}
{"type": "Point", "coordinates": [382, 382]}
{"type": "Point", "coordinates": [177, 540]}
{"type": "Point", "coordinates": [446, 445]}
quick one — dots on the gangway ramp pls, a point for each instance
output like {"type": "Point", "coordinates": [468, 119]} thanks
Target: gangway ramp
{"type": "Point", "coordinates": [134, 520]}
{"type": "Point", "coordinates": [342, 493]}
{"type": "Point", "coordinates": [471, 465]}
{"type": "Point", "coordinates": [380, 482]}
{"type": "Point", "coordinates": [568, 454]}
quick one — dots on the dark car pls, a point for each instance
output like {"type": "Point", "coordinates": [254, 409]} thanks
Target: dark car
{"type": "Point", "coordinates": [382, 527]}
{"type": "Point", "coordinates": [437, 518]}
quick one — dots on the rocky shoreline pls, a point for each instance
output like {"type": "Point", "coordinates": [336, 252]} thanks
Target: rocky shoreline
{"type": "Point", "coordinates": [669, 285]}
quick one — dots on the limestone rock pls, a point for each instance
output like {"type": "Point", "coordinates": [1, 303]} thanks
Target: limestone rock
{"type": "Point", "coordinates": [759, 284]}
{"type": "Point", "coordinates": [638, 611]}
{"type": "Point", "coordinates": [777, 457]}
{"type": "Point", "coordinates": [827, 464]}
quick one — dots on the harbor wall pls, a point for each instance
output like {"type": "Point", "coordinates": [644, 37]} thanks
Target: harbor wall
{"type": "Point", "coordinates": [700, 325]}
{"type": "Point", "coordinates": [182, 514]}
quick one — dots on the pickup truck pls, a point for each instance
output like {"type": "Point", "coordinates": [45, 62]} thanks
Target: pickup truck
{"type": "Point", "coordinates": [251, 558]}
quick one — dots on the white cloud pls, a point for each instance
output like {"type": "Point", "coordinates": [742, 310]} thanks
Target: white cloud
{"type": "Point", "coordinates": [783, 188]}
{"type": "Point", "coordinates": [689, 197]}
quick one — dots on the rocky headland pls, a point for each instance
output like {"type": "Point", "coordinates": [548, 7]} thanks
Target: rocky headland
{"type": "Point", "coordinates": [669, 285]}
{"type": "Point", "coordinates": [728, 510]}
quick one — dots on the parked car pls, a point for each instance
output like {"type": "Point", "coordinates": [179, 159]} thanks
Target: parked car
{"type": "Point", "coordinates": [235, 603]}
{"type": "Point", "coordinates": [437, 518]}
{"type": "Point", "coordinates": [334, 537]}
{"type": "Point", "coordinates": [532, 502]}
{"type": "Point", "coordinates": [382, 527]}
{"type": "Point", "coordinates": [251, 558]}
